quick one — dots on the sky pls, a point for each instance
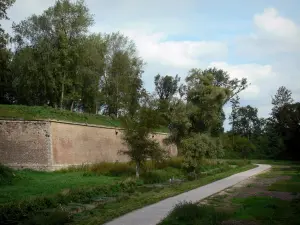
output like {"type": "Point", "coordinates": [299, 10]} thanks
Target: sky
{"type": "Point", "coordinates": [258, 39]}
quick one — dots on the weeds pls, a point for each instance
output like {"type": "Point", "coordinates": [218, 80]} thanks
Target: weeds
{"type": "Point", "coordinates": [6, 175]}
{"type": "Point", "coordinates": [191, 214]}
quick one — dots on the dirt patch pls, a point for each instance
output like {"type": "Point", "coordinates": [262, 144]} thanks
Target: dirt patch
{"type": "Point", "coordinates": [249, 192]}
{"type": "Point", "coordinates": [265, 182]}
{"type": "Point", "coordinates": [255, 186]}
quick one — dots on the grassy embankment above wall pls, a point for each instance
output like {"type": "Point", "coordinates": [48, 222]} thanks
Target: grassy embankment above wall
{"type": "Point", "coordinates": [44, 112]}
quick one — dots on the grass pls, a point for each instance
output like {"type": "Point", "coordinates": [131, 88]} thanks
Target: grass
{"type": "Point", "coordinates": [30, 184]}
{"type": "Point", "coordinates": [46, 112]}
{"type": "Point", "coordinates": [137, 200]}
{"type": "Point", "coordinates": [275, 162]}
{"type": "Point", "coordinates": [248, 210]}
{"type": "Point", "coordinates": [290, 185]}
{"type": "Point", "coordinates": [192, 214]}
{"type": "Point", "coordinates": [30, 193]}
{"type": "Point", "coordinates": [268, 210]}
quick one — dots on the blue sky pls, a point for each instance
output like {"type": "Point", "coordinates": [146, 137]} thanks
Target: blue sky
{"type": "Point", "coordinates": [258, 39]}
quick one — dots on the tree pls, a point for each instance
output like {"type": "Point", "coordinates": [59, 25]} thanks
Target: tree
{"type": "Point", "coordinates": [180, 124]}
{"type": "Point", "coordinates": [166, 87]}
{"type": "Point", "coordinates": [281, 98]}
{"type": "Point", "coordinates": [200, 146]}
{"type": "Point", "coordinates": [243, 146]}
{"type": "Point", "coordinates": [121, 84]}
{"type": "Point", "coordinates": [247, 121]}
{"type": "Point", "coordinates": [207, 100]}
{"type": "Point", "coordinates": [235, 104]}
{"type": "Point", "coordinates": [136, 136]}
{"type": "Point", "coordinates": [56, 36]}
{"type": "Point", "coordinates": [222, 78]}
{"type": "Point", "coordinates": [6, 89]}
{"type": "Point", "coordinates": [288, 126]}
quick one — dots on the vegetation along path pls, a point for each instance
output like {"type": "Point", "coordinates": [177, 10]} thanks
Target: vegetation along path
{"type": "Point", "coordinates": [153, 214]}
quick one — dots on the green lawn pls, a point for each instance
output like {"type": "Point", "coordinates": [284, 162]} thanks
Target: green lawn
{"type": "Point", "coordinates": [30, 184]}
{"type": "Point", "coordinates": [44, 112]}
{"type": "Point", "coordinates": [33, 193]}
{"type": "Point", "coordinates": [138, 199]}
{"type": "Point", "coordinates": [254, 210]}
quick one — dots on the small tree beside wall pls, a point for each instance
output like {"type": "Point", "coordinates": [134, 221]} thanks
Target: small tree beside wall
{"type": "Point", "coordinates": [137, 136]}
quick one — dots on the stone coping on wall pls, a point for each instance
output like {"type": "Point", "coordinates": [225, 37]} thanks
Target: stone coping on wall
{"type": "Point", "coordinates": [68, 122]}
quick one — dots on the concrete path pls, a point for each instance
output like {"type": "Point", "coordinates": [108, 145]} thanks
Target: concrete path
{"type": "Point", "coordinates": [153, 214]}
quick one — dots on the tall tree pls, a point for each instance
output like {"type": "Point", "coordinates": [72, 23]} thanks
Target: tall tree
{"type": "Point", "coordinates": [6, 89]}
{"type": "Point", "coordinates": [235, 104]}
{"type": "Point", "coordinates": [207, 100]}
{"type": "Point", "coordinates": [121, 84]}
{"type": "Point", "coordinates": [136, 135]}
{"type": "Point", "coordinates": [222, 78]}
{"type": "Point", "coordinates": [282, 97]}
{"type": "Point", "coordinates": [247, 121]}
{"type": "Point", "coordinates": [166, 87]}
{"type": "Point", "coordinates": [57, 33]}
{"type": "Point", "coordinates": [288, 125]}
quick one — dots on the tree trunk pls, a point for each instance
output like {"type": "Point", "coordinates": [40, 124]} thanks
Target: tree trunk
{"type": "Point", "coordinates": [137, 170]}
{"type": "Point", "coordinates": [72, 105]}
{"type": "Point", "coordinates": [62, 92]}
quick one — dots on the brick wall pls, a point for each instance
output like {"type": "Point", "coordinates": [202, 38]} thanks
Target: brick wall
{"type": "Point", "coordinates": [25, 144]}
{"type": "Point", "coordinates": [52, 145]}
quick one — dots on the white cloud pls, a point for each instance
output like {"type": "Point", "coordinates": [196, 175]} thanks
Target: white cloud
{"type": "Point", "coordinates": [271, 23]}
{"type": "Point", "coordinates": [155, 47]}
{"type": "Point", "coordinates": [256, 75]}
{"type": "Point", "coordinates": [273, 34]}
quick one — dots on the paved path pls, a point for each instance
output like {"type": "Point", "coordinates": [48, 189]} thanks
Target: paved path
{"type": "Point", "coordinates": [153, 214]}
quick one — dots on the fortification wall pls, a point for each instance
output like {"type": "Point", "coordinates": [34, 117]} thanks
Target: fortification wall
{"type": "Point", "coordinates": [51, 145]}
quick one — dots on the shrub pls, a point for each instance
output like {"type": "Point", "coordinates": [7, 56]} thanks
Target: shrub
{"type": "Point", "coordinates": [52, 218]}
{"type": "Point", "coordinates": [11, 213]}
{"type": "Point", "coordinates": [198, 147]}
{"type": "Point", "coordinates": [192, 176]}
{"type": "Point", "coordinates": [155, 176]}
{"type": "Point", "coordinates": [243, 146]}
{"type": "Point", "coordinates": [194, 214]}
{"type": "Point", "coordinates": [6, 175]}
{"type": "Point", "coordinates": [103, 168]}
{"type": "Point", "coordinates": [174, 162]}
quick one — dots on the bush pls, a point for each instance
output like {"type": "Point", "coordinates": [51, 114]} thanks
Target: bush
{"type": "Point", "coordinates": [174, 162]}
{"type": "Point", "coordinates": [52, 218]}
{"type": "Point", "coordinates": [11, 213]}
{"type": "Point", "coordinates": [238, 162]}
{"type": "Point", "coordinates": [243, 146]}
{"type": "Point", "coordinates": [193, 214]}
{"type": "Point", "coordinates": [198, 147]}
{"type": "Point", "coordinates": [103, 168]}
{"type": "Point", "coordinates": [155, 176]}
{"type": "Point", "coordinates": [6, 175]}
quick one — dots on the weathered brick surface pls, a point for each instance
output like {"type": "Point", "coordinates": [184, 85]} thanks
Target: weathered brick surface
{"type": "Point", "coordinates": [75, 144]}
{"type": "Point", "coordinates": [25, 143]}
{"type": "Point", "coordinates": [52, 145]}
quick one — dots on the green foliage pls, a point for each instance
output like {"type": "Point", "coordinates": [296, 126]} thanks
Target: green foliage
{"type": "Point", "coordinates": [137, 137]}
{"type": "Point", "coordinates": [111, 169]}
{"type": "Point", "coordinates": [159, 176]}
{"type": "Point", "coordinates": [268, 210]}
{"type": "Point", "coordinates": [243, 146]}
{"type": "Point", "coordinates": [112, 210]}
{"type": "Point", "coordinates": [52, 218]}
{"type": "Point", "coordinates": [186, 213]}
{"type": "Point", "coordinates": [6, 175]}
{"type": "Point", "coordinates": [45, 112]}
{"type": "Point", "coordinates": [174, 162]}
{"type": "Point", "coordinates": [23, 210]}
{"type": "Point", "coordinates": [198, 147]}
